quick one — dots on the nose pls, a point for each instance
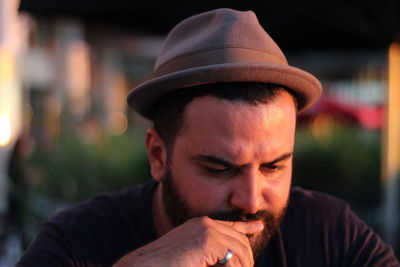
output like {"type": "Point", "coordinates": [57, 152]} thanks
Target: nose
{"type": "Point", "coordinates": [246, 194]}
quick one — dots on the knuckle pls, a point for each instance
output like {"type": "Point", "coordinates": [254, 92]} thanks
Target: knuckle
{"type": "Point", "coordinates": [205, 220]}
{"type": "Point", "coordinates": [236, 261]}
{"type": "Point", "coordinates": [197, 222]}
{"type": "Point", "coordinates": [205, 223]}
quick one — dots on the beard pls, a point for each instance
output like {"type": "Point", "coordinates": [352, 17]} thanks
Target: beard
{"type": "Point", "coordinates": [179, 212]}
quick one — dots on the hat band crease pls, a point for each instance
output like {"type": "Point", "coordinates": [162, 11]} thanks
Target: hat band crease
{"type": "Point", "coordinates": [218, 56]}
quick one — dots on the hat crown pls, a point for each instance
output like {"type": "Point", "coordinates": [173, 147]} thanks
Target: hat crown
{"type": "Point", "coordinates": [223, 30]}
{"type": "Point", "coordinates": [221, 46]}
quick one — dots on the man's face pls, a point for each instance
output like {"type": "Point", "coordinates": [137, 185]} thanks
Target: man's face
{"type": "Point", "coordinates": [232, 161]}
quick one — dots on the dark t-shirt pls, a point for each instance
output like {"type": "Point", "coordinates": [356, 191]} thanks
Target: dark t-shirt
{"type": "Point", "coordinates": [317, 230]}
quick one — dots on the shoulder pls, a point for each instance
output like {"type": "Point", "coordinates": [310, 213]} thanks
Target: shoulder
{"type": "Point", "coordinates": [316, 214]}
{"type": "Point", "coordinates": [321, 230]}
{"type": "Point", "coordinates": [105, 206]}
{"type": "Point", "coordinates": [114, 216]}
{"type": "Point", "coordinates": [99, 230]}
{"type": "Point", "coordinates": [304, 202]}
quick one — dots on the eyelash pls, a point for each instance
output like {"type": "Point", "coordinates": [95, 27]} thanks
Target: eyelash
{"type": "Point", "coordinates": [221, 171]}
{"type": "Point", "coordinates": [276, 167]}
{"type": "Point", "coordinates": [216, 171]}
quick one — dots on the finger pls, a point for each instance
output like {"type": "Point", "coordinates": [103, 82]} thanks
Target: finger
{"type": "Point", "coordinates": [227, 258]}
{"type": "Point", "coordinates": [247, 228]}
{"type": "Point", "coordinates": [238, 236]}
{"type": "Point", "coordinates": [235, 262]}
{"type": "Point", "coordinates": [217, 243]}
{"type": "Point", "coordinates": [239, 247]}
{"type": "Point", "coordinates": [217, 238]}
{"type": "Point", "coordinates": [229, 228]}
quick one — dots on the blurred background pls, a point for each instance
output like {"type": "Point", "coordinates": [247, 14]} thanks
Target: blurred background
{"type": "Point", "coordinates": [66, 133]}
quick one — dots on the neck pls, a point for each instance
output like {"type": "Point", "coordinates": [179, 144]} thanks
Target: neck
{"type": "Point", "coordinates": [161, 219]}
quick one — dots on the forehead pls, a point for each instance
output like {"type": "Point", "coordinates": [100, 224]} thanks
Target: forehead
{"type": "Point", "coordinates": [214, 109]}
{"type": "Point", "coordinates": [218, 126]}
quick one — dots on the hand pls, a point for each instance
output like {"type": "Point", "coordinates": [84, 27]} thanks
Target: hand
{"type": "Point", "coordinates": [199, 242]}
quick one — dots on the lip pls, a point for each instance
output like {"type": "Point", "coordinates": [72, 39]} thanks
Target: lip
{"type": "Point", "coordinates": [253, 222]}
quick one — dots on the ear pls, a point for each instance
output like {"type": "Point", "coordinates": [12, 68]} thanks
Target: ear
{"type": "Point", "coordinates": [156, 153]}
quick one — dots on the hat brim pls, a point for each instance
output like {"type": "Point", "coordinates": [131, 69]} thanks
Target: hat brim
{"type": "Point", "coordinates": [304, 85]}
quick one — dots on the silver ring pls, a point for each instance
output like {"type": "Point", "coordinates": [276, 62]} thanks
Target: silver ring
{"type": "Point", "coordinates": [227, 257]}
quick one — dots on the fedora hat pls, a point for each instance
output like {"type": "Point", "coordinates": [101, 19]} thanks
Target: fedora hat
{"type": "Point", "coordinates": [221, 45]}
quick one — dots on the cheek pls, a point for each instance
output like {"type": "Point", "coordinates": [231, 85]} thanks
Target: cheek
{"type": "Point", "coordinates": [276, 192]}
{"type": "Point", "coordinates": [201, 193]}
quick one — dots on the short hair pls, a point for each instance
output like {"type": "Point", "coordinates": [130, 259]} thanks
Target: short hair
{"type": "Point", "coordinates": [168, 114]}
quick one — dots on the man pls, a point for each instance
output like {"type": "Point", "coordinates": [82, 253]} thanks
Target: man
{"type": "Point", "coordinates": [224, 104]}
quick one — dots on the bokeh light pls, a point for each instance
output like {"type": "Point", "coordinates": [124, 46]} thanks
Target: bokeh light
{"type": "Point", "coordinates": [117, 123]}
{"type": "Point", "coordinates": [5, 130]}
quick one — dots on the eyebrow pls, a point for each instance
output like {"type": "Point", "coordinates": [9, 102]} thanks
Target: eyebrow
{"type": "Point", "coordinates": [223, 162]}
{"type": "Point", "coordinates": [280, 158]}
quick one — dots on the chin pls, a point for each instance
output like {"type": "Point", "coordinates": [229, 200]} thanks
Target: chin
{"type": "Point", "coordinates": [258, 242]}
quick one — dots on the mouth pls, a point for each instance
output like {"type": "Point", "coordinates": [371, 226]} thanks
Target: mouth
{"type": "Point", "coordinates": [259, 216]}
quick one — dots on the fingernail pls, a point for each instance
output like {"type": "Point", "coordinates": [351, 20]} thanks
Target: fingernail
{"type": "Point", "coordinates": [257, 226]}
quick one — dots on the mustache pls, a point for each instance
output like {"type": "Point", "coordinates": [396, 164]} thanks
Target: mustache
{"type": "Point", "coordinates": [237, 215]}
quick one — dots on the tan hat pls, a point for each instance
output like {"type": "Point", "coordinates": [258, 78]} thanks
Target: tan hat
{"type": "Point", "coordinates": [221, 45]}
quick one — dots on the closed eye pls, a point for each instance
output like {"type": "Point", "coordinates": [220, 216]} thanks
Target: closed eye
{"type": "Point", "coordinates": [216, 170]}
{"type": "Point", "coordinates": [273, 167]}
{"type": "Point", "coordinates": [215, 165]}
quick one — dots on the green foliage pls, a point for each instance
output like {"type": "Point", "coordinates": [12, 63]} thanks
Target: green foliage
{"type": "Point", "coordinates": [72, 169]}
{"type": "Point", "coordinates": [345, 162]}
